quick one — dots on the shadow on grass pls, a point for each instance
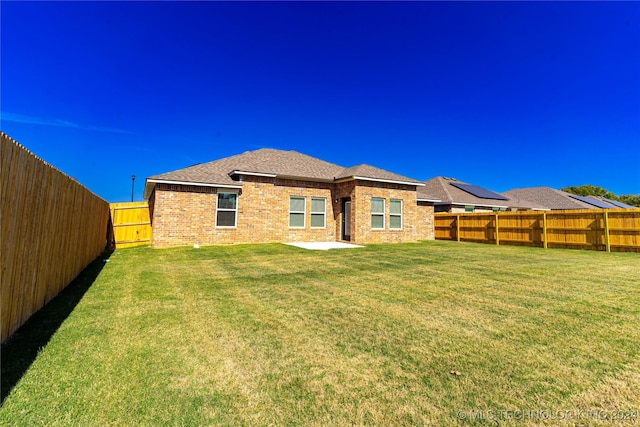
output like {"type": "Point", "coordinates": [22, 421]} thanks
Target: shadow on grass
{"type": "Point", "coordinates": [21, 349]}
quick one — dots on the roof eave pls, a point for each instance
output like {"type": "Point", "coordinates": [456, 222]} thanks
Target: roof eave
{"type": "Point", "coordinates": [238, 172]}
{"type": "Point", "coordinates": [304, 178]}
{"type": "Point", "coordinates": [388, 181]}
{"type": "Point", "coordinates": [475, 204]}
{"type": "Point", "coordinates": [273, 175]}
{"type": "Point", "coordinates": [148, 189]}
{"type": "Point", "coordinates": [150, 184]}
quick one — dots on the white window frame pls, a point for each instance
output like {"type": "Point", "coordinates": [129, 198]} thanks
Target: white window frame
{"type": "Point", "coordinates": [395, 214]}
{"type": "Point", "coordinates": [235, 210]}
{"type": "Point", "coordinates": [303, 212]}
{"type": "Point", "coordinates": [323, 213]}
{"type": "Point", "coordinates": [382, 214]}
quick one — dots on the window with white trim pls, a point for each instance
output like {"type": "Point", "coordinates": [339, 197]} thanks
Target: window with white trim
{"type": "Point", "coordinates": [318, 212]}
{"type": "Point", "coordinates": [377, 213]}
{"type": "Point", "coordinates": [227, 209]}
{"type": "Point", "coordinates": [395, 214]}
{"type": "Point", "coordinates": [297, 210]}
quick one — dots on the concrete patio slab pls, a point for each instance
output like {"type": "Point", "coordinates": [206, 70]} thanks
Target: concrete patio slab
{"type": "Point", "coordinates": [323, 246]}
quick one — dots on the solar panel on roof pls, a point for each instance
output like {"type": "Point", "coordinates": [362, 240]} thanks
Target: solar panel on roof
{"type": "Point", "coordinates": [589, 200]}
{"type": "Point", "coordinates": [483, 193]}
{"type": "Point", "coordinates": [619, 204]}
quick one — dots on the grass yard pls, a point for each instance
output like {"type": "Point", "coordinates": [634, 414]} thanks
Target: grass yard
{"type": "Point", "coordinates": [262, 335]}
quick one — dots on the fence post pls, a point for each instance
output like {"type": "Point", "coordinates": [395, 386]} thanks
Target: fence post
{"type": "Point", "coordinates": [458, 227]}
{"type": "Point", "coordinates": [606, 231]}
{"type": "Point", "coordinates": [544, 230]}
{"type": "Point", "coordinates": [497, 231]}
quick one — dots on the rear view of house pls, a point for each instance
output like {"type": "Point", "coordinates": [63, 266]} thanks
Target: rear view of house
{"type": "Point", "coordinates": [272, 195]}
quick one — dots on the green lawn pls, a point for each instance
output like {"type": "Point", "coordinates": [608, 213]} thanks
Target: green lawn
{"type": "Point", "coordinates": [275, 335]}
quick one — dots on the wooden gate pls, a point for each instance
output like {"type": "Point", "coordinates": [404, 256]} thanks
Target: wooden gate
{"type": "Point", "coordinates": [131, 224]}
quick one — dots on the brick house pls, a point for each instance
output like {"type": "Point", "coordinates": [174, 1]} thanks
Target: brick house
{"type": "Point", "coordinates": [272, 195]}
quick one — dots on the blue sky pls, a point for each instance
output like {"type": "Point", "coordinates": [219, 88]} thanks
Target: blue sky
{"type": "Point", "coordinates": [501, 94]}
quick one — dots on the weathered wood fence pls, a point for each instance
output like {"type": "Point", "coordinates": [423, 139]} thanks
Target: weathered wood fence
{"type": "Point", "coordinates": [594, 229]}
{"type": "Point", "coordinates": [131, 224]}
{"type": "Point", "coordinates": [51, 229]}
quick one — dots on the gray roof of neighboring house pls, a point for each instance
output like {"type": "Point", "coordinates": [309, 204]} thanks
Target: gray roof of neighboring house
{"type": "Point", "coordinates": [554, 199]}
{"type": "Point", "coordinates": [441, 188]}
{"type": "Point", "coordinates": [271, 162]}
{"type": "Point", "coordinates": [614, 203]}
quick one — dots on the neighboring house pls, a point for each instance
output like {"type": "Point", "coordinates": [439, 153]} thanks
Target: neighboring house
{"type": "Point", "coordinates": [453, 196]}
{"type": "Point", "coordinates": [557, 199]}
{"type": "Point", "coordinates": [278, 196]}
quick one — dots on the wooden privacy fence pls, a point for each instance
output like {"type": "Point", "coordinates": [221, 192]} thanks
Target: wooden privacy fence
{"type": "Point", "coordinates": [51, 229]}
{"type": "Point", "coordinates": [131, 224]}
{"type": "Point", "coordinates": [595, 229]}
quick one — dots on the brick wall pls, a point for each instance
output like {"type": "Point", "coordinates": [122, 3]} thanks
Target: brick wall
{"type": "Point", "coordinates": [426, 229]}
{"type": "Point", "coordinates": [181, 214]}
{"type": "Point", "coordinates": [343, 190]}
{"type": "Point", "coordinates": [361, 204]}
{"type": "Point", "coordinates": [186, 215]}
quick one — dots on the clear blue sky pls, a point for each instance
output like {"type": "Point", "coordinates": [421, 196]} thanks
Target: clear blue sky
{"type": "Point", "coordinates": [502, 94]}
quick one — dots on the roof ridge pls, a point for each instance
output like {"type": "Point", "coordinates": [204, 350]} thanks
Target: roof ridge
{"type": "Point", "coordinates": [441, 181]}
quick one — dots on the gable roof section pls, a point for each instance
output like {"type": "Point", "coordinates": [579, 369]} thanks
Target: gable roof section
{"type": "Point", "coordinates": [272, 163]}
{"type": "Point", "coordinates": [371, 173]}
{"type": "Point", "coordinates": [442, 188]}
{"type": "Point", "coordinates": [558, 199]}
{"type": "Point", "coordinates": [264, 161]}
{"type": "Point", "coordinates": [448, 193]}
{"type": "Point", "coordinates": [548, 197]}
{"type": "Point", "coordinates": [434, 189]}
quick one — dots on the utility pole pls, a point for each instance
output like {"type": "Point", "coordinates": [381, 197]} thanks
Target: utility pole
{"type": "Point", "coordinates": [133, 179]}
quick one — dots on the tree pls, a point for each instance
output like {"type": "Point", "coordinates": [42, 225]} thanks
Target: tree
{"type": "Point", "coordinates": [589, 190]}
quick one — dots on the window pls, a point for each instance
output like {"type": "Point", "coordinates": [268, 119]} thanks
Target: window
{"type": "Point", "coordinates": [227, 209]}
{"type": "Point", "coordinates": [297, 209]}
{"type": "Point", "coordinates": [469, 208]}
{"type": "Point", "coordinates": [318, 212]}
{"type": "Point", "coordinates": [395, 214]}
{"type": "Point", "coordinates": [377, 213]}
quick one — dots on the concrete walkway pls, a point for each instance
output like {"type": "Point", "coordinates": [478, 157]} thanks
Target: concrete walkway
{"type": "Point", "coordinates": [323, 246]}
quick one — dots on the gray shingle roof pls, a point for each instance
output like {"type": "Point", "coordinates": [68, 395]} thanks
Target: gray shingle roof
{"type": "Point", "coordinates": [548, 197]}
{"type": "Point", "coordinates": [435, 188]}
{"type": "Point", "coordinates": [372, 172]}
{"type": "Point", "coordinates": [262, 161]}
{"type": "Point", "coordinates": [291, 164]}
{"type": "Point", "coordinates": [441, 188]}
{"type": "Point", "coordinates": [617, 204]}
{"type": "Point", "coordinates": [558, 199]}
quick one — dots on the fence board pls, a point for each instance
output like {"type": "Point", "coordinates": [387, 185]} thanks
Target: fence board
{"type": "Point", "coordinates": [52, 228]}
{"type": "Point", "coordinates": [572, 229]}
